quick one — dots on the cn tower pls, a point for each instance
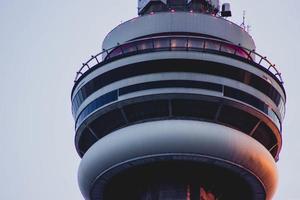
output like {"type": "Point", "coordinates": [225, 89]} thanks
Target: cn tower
{"type": "Point", "coordinates": [178, 105]}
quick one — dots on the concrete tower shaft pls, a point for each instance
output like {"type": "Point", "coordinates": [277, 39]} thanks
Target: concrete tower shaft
{"type": "Point", "coordinates": [177, 105]}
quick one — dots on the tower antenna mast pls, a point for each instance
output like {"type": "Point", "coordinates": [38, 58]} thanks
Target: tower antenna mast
{"type": "Point", "coordinates": [243, 25]}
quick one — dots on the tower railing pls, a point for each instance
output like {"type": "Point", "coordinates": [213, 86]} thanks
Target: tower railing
{"type": "Point", "coordinates": [178, 43]}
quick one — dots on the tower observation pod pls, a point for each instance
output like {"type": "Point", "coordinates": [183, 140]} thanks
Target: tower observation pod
{"type": "Point", "coordinates": [178, 106]}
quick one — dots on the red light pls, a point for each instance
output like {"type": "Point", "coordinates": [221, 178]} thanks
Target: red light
{"type": "Point", "coordinates": [188, 193]}
{"type": "Point", "coordinates": [206, 195]}
{"type": "Point", "coordinates": [191, 11]}
{"type": "Point", "coordinates": [172, 10]}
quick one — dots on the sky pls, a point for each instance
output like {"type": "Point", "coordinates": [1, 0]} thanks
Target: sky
{"type": "Point", "coordinates": [42, 45]}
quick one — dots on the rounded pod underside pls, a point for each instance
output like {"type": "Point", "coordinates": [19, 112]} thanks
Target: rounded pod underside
{"type": "Point", "coordinates": [154, 152]}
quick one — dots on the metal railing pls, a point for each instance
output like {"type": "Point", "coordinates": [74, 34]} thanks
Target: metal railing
{"type": "Point", "coordinates": [170, 43]}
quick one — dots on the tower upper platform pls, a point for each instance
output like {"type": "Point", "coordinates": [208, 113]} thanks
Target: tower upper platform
{"type": "Point", "coordinates": [178, 23]}
{"type": "Point", "coordinates": [204, 6]}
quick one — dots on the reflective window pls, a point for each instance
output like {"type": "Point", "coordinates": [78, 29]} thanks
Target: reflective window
{"type": "Point", "coordinates": [170, 84]}
{"type": "Point", "coordinates": [253, 101]}
{"type": "Point", "coordinates": [194, 43]}
{"type": "Point", "coordinates": [282, 107]}
{"type": "Point", "coordinates": [178, 43]}
{"type": "Point", "coordinates": [80, 98]}
{"type": "Point", "coordinates": [245, 97]}
{"type": "Point", "coordinates": [237, 118]}
{"type": "Point", "coordinates": [162, 43]}
{"type": "Point", "coordinates": [129, 48]}
{"type": "Point", "coordinates": [228, 48]}
{"type": "Point", "coordinates": [275, 118]}
{"type": "Point", "coordinates": [211, 45]}
{"type": "Point", "coordinates": [99, 102]}
{"type": "Point", "coordinates": [116, 52]}
{"type": "Point", "coordinates": [146, 44]}
{"type": "Point", "coordinates": [241, 53]}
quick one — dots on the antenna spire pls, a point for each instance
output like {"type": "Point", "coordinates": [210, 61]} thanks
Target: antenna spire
{"type": "Point", "coordinates": [243, 25]}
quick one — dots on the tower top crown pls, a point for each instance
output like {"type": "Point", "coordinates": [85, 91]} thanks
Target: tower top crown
{"type": "Point", "coordinates": [203, 6]}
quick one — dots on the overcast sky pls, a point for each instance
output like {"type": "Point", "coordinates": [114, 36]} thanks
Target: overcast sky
{"type": "Point", "coordinates": [42, 45]}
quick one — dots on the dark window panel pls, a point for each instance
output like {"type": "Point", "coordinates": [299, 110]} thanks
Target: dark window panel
{"type": "Point", "coordinates": [155, 6]}
{"type": "Point", "coordinates": [237, 119]}
{"type": "Point", "coordinates": [178, 5]}
{"type": "Point", "coordinates": [86, 140]}
{"type": "Point", "coordinates": [170, 84]}
{"type": "Point", "coordinates": [245, 97]}
{"type": "Point", "coordinates": [146, 110]}
{"type": "Point", "coordinates": [107, 123]}
{"type": "Point", "coordinates": [194, 108]}
{"type": "Point", "coordinates": [116, 52]}
{"type": "Point", "coordinates": [130, 48]}
{"type": "Point", "coordinates": [265, 135]}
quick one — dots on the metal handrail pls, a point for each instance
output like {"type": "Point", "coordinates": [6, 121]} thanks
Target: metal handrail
{"type": "Point", "coordinates": [270, 67]}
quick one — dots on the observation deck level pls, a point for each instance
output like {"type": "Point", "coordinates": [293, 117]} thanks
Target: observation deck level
{"type": "Point", "coordinates": [262, 75]}
{"type": "Point", "coordinates": [164, 78]}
